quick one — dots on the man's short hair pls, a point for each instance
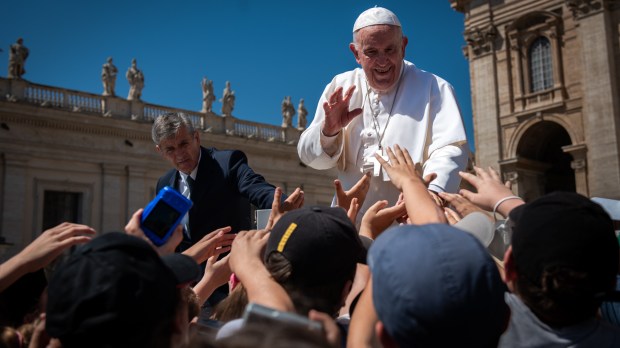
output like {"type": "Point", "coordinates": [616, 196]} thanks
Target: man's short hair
{"type": "Point", "coordinates": [116, 291]}
{"type": "Point", "coordinates": [565, 255]}
{"type": "Point", "coordinates": [436, 286]}
{"type": "Point", "coordinates": [314, 249]}
{"type": "Point", "coordinates": [167, 125]}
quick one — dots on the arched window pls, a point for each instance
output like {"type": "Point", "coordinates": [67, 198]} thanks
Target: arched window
{"type": "Point", "coordinates": [541, 70]}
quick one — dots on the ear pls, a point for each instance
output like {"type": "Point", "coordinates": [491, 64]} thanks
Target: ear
{"type": "Point", "coordinates": [405, 42]}
{"type": "Point", "coordinates": [510, 273]}
{"type": "Point", "coordinates": [356, 53]}
{"type": "Point", "coordinates": [197, 135]}
{"type": "Point", "coordinates": [383, 336]}
{"type": "Point", "coordinates": [158, 149]}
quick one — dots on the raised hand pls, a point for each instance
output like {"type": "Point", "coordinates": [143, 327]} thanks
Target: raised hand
{"type": "Point", "coordinates": [53, 242]}
{"type": "Point", "coordinates": [337, 114]}
{"type": "Point", "coordinates": [490, 190]}
{"type": "Point", "coordinates": [214, 243]}
{"type": "Point", "coordinates": [133, 228]}
{"type": "Point", "coordinates": [462, 205]}
{"type": "Point", "coordinates": [294, 201]}
{"type": "Point", "coordinates": [43, 250]}
{"type": "Point", "coordinates": [359, 191]}
{"type": "Point", "coordinates": [379, 217]}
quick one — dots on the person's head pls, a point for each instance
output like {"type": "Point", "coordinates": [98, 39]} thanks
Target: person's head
{"type": "Point", "coordinates": [379, 47]}
{"type": "Point", "coordinates": [313, 252]}
{"type": "Point", "coordinates": [116, 291]}
{"type": "Point", "coordinates": [134, 62]}
{"type": "Point", "coordinates": [563, 258]}
{"type": "Point", "coordinates": [109, 60]}
{"type": "Point", "coordinates": [177, 140]}
{"type": "Point", "coordinates": [436, 286]}
{"type": "Point", "coordinates": [20, 40]}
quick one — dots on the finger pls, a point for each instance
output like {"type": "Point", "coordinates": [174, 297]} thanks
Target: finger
{"type": "Point", "coordinates": [336, 96]}
{"type": "Point", "coordinates": [470, 178]}
{"type": "Point", "coordinates": [448, 197]}
{"type": "Point", "coordinates": [382, 161]}
{"type": "Point", "coordinates": [452, 216]}
{"type": "Point", "coordinates": [395, 211]}
{"type": "Point", "coordinates": [375, 208]}
{"type": "Point", "coordinates": [494, 174]}
{"type": "Point", "coordinates": [407, 157]}
{"type": "Point", "coordinates": [429, 178]}
{"type": "Point", "coordinates": [392, 156]}
{"type": "Point", "coordinates": [482, 173]}
{"type": "Point", "coordinates": [349, 93]}
{"type": "Point", "coordinates": [277, 195]}
{"type": "Point", "coordinates": [353, 208]}
{"type": "Point", "coordinates": [467, 194]}
{"type": "Point", "coordinates": [221, 250]}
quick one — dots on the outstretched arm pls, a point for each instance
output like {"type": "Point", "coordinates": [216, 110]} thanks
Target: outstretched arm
{"type": "Point", "coordinates": [247, 264]}
{"type": "Point", "coordinates": [492, 193]}
{"type": "Point", "coordinates": [43, 250]}
{"type": "Point", "coordinates": [421, 208]}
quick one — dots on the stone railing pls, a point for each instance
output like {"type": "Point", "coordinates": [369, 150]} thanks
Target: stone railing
{"type": "Point", "coordinates": [22, 91]}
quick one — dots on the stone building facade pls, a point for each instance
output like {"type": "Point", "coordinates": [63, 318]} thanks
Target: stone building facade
{"type": "Point", "coordinates": [544, 85]}
{"type": "Point", "coordinates": [74, 156]}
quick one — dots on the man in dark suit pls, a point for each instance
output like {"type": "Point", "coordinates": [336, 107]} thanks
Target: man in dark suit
{"type": "Point", "coordinates": [221, 184]}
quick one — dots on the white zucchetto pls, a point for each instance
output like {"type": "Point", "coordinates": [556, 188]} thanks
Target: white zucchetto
{"type": "Point", "coordinates": [375, 16]}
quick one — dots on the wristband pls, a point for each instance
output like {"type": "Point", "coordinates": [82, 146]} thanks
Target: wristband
{"type": "Point", "coordinates": [502, 201]}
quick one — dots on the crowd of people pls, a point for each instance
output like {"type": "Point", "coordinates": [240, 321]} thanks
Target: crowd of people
{"type": "Point", "coordinates": [402, 258]}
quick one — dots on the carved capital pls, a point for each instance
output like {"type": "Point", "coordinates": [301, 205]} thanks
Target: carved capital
{"type": "Point", "coordinates": [511, 176]}
{"type": "Point", "coordinates": [481, 40]}
{"type": "Point", "coordinates": [584, 8]}
{"type": "Point", "coordinates": [578, 165]}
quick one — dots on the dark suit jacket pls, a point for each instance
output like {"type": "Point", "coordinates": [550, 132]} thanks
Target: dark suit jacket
{"type": "Point", "coordinates": [224, 188]}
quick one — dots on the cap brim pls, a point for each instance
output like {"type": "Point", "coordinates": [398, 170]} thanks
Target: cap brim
{"type": "Point", "coordinates": [184, 268]}
{"type": "Point", "coordinates": [479, 225]}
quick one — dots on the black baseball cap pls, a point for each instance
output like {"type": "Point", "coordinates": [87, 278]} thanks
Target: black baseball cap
{"type": "Point", "coordinates": [320, 242]}
{"type": "Point", "coordinates": [565, 229]}
{"type": "Point", "coordinates": [113, 289]}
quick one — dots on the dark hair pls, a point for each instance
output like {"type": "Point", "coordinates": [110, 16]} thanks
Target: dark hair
{"type": "Point", "coordinates": [563, 296]}
{"type": "Point", "coordinates": [325, 298]}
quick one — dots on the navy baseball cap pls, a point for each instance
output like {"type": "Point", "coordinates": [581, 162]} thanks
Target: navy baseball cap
{"type": "Point", "coordinates": [437, 286]}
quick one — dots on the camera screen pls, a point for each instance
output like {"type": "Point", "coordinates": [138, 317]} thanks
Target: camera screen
{"type": "Point", "coordinates": [161, 218]}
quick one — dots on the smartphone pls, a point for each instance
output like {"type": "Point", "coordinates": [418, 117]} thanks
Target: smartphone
{"type": "Point", "coordinates": [163, 214]}
{"type": "Point", "coordinates": [255, 313]}
{"type": "Point", "coordinates": [262, 217]}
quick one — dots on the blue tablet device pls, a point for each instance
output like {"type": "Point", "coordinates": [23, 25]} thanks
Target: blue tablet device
{"type": "Point", "coordinates": [162, 215]}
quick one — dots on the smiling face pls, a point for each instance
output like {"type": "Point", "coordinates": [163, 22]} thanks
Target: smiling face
{"type": "Point", "coordinates": [380, 50]}
{"type": "Point", "coordinates": [181, 150]}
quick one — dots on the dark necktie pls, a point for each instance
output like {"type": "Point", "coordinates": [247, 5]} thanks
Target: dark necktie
{"type": "Point", "coordinates": [190, 183]}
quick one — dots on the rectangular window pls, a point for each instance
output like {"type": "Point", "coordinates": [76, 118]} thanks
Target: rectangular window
{"type": "Point", "coordinates": [61, 206]}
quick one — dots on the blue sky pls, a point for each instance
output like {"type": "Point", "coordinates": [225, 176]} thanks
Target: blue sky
{"type": "Point", "coordinates": [266, 49]}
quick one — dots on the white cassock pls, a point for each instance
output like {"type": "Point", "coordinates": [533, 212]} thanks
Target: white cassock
{"type": "Point", "coordinates": [420, 114]}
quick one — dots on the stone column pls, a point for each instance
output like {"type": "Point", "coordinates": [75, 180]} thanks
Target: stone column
{"type": "Point", "coordinates": [113, 202]}
{"type": "Point", "coordinates": [16, 216]}
{"type": "Point", "coordinates": [484, 95]}
{"type": "Point", "coordinates": [579, 165]}
{"type": "Point", "coordinates": [600, 96]}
